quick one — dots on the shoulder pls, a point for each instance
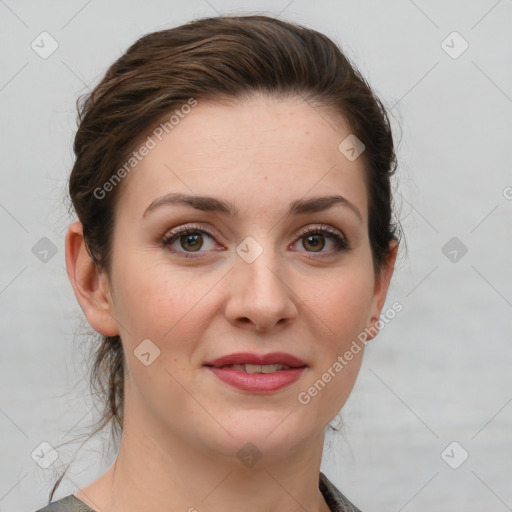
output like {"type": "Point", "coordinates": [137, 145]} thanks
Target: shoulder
{"type": "Point", "coordinates": [69, 503]}
{"type": "Point", "coordinates": [336, 501]}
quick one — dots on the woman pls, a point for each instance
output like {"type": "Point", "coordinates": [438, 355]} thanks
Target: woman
{"type": "Point", "coordinates": [234, 248]}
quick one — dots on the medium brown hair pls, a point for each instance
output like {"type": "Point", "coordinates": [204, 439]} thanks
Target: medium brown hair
{"type": "Point", "coordinates": [213, 59]}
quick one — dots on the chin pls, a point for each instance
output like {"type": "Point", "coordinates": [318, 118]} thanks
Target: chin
{"type": "Point", "coordinates": [271, 432]}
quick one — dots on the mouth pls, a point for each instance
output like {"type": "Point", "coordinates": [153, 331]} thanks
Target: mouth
{"type": "Point", "coordinates": [257, 368]}
{"type": "Point", "coordinates": [257, 373]}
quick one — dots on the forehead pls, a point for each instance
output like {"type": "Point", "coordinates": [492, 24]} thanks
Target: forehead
{"type": "Point", "coordinates": [259, 154]}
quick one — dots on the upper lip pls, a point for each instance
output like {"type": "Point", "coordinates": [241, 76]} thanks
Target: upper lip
{"type": "Point", "coordinates": [248, 358]}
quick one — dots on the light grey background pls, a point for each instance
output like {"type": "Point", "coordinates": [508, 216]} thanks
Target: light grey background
{"type": "Point", "coordinates": [438, 373]}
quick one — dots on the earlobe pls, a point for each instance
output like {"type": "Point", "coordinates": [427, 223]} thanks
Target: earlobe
{"type": "Point", "coordinates": [91, 286]}
{"type": "Point", "coordinates": [381, 289]}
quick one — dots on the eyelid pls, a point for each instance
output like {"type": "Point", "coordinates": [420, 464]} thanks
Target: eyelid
{"type": "Point", "coordinates": [321, 227]}
{"type": "Point", "coordinates": [188, 227]}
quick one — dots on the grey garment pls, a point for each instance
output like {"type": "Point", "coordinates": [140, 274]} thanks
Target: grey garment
{"type": "Point", "coordinates": [69, 503]}
{"type": "Point", "coordinates": [334, 499]}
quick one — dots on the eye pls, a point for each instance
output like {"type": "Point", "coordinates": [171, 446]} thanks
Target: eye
{"type": "Point", "coordinates": [187, 240]}
{"type": "Point", "coordinates": [316, 239]}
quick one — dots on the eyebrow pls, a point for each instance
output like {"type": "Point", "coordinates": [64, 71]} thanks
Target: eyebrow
{"type": "Point", "coordinates": [211, 204]}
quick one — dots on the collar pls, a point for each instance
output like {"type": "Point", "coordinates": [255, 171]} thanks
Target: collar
{"type": "Point", "coordinates": [336, 501]}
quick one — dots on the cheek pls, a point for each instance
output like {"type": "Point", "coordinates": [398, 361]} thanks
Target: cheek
{"type": "Point", "coordinates": [160, 303]}
{"type": "Point", "coordinates": [341, 313]}
{"type": "Point", "coordinates": [343, 304]}
{"type": "Point", "coordinates": [341, 307]}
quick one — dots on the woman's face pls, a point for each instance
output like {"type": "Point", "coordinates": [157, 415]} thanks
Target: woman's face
{"type": "Point", "coordinates": [265, 270]}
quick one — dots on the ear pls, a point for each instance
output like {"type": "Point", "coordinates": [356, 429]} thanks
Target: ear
{"type": "Point", "coordinates": [91, 286]}
{"type": "Point", "coordinates": [380, 290]}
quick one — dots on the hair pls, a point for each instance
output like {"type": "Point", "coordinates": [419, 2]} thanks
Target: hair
{"type": "Point", "coordinates": [214, 59]}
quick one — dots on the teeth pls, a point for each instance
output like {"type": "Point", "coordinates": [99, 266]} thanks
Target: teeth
{"type": "Point", "coordinates": [258, 368]}
{"type": "Point", "coordinates": [269, 368]}
{"type": "Point", "coordinates": [253, 368]}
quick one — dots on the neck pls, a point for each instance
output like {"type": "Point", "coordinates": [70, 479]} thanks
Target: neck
{"type": "Point", "coordinates": [157, 471]}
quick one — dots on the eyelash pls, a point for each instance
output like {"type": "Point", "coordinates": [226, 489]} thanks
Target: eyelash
{"type": "Point", "coordinates": [340, 242]}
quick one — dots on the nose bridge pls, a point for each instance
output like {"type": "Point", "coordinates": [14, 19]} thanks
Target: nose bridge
{"type": "Point", "coordinates": [259, 292]}
{"type": "Point", "coordinates": [258, 266]}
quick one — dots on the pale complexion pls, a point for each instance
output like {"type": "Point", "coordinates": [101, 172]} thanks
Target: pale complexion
{"type": "Point", "coordinates": [183, 426]}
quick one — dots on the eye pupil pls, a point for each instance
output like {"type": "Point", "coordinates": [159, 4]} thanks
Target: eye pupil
{"type": "Point", "coordinates": [313, 240]}
{"type": "Point", "coordinates": [193, 240]}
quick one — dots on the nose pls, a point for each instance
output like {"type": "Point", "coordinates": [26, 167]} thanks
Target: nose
{"type": "Point", "coordinates": [260, 295]}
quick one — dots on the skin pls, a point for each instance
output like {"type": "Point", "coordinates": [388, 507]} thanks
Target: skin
{"type": "Point", "coordinates": [183, 426]}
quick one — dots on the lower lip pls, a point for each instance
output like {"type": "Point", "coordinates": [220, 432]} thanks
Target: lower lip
{"type": "Point", "coordinates": [258, 381]}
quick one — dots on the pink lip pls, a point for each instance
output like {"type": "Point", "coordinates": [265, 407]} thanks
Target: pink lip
{"type": "Point", "coordinates": [257, 382]}
{"type": "Point", "coordinates": [248, 358]}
